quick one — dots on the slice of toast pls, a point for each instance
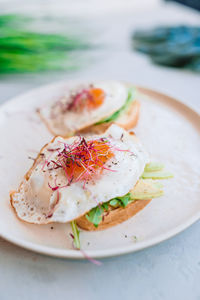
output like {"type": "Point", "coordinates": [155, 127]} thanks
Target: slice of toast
{"type": "Point", "coordinates": [127, 120]}
{"type": "Point", "coordinates": [113, 216]}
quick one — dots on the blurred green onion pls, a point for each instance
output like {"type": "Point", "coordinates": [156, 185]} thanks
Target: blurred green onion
{"type": "Point", "coordinates": [22, 50]}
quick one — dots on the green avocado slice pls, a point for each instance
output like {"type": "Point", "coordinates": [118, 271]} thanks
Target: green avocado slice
{"type": "Point", "coordinates": [157, 175]}
{"type": "Point", "coordinates": [153, 166]}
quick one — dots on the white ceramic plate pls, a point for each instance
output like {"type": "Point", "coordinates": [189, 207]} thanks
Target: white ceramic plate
{"type": "Point", "coordinates": [171, 133]}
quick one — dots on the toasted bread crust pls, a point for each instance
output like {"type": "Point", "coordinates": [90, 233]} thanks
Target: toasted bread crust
{"type": "Point", "coordinates": [114, 216]}
{"type": "Point", "coordinates": [132, 116]}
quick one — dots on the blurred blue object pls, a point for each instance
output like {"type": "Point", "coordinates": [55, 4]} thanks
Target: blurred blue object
{"type": "Point", "coordinates": [191, 3]}
{"type": "Point", "coordinates": [171, 46]}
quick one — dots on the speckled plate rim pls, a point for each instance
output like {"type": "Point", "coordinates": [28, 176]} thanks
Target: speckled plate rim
{"type": "Point", "coordinates": [75, 254]}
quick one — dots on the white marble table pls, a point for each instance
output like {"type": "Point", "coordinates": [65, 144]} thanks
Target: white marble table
{"type": "Point", "coordinates": [170, 270]}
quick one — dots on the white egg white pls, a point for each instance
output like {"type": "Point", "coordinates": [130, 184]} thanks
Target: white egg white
{"type": "Point", "coordinates": [35, 202]}
{"type": "Point", "coordinates": [69, 122]}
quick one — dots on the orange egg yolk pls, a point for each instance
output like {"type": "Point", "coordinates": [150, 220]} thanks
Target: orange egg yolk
{"type": "Point", "coordinates": [87, 159]}
{"type": "Point", "coordinates": [95, 98]}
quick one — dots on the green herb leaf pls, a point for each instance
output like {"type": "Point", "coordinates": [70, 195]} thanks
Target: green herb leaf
{"type": "Point", "coordinates": [76, 234]}
{"type": "Point", "coordinates": [95, 215]}
{"type": "Point", "coordinates": [116, 114]}
{"type": "Point", "coordinates": [105, 206]}
{"type": "Point", "coordinates": [124, 200]}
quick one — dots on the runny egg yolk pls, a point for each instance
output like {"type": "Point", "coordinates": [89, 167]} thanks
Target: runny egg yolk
{"type": "Point", "coordinates": [96, 98]}
{"type": "Point", "coordinates": [87, 160]}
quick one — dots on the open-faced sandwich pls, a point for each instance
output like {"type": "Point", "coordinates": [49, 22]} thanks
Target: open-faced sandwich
{"type": "Point", "coordinates": [93, 108]}
{"type": "Point", "coordinates": [94, 182]}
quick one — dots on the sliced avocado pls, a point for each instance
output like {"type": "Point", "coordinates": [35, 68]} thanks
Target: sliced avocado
{"type": "Point", "coordinates": [153, 166]}
{"type": "Point", "coordinates": [146, 189]}
{"type": "Point", "coordinates": [157, 175]}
